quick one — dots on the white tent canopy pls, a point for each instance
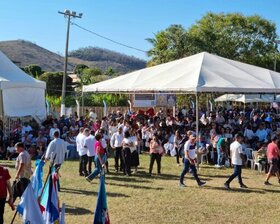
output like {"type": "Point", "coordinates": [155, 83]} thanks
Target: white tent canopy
{"type": "Point", "coordinates": [20, 94]}
{"type": "Point", "coordinates": [248, 98]}
{"type": "Point", "coordinates": [202, 72]}
{"type": "Point", "coordinates": [199, 73]}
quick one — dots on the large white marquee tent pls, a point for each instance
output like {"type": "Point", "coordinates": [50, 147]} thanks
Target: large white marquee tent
{"type": "Point", "coordinates": [200, 73]}
{"type": "Point", "coordinates": [20, 94]}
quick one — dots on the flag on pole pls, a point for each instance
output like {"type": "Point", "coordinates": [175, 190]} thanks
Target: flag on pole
{"type": "Point", "coordinates": [29, 208]}
{"type": "Point", "coordinates": [62, 215]}
{"type": "Point", "coordinates": [101, 215]}
{"type": "Point", "coordinates": [49, 203]}
{"type": "Point", "coordinates": [36, 179]}
{"type": "Point", "coordinates": [52, 210]}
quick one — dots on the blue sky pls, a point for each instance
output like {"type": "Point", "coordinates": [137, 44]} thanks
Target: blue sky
{"type": "Point", "coordinates": [126, 21]}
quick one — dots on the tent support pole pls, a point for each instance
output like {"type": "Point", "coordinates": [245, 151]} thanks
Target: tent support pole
{"type": "Point", "coordinates": [2, 114]}
{"type": "Point", "coordinates": [83, 103]}
{"type": "Point", "coordinates": [2, 105]}
{"type": "Point", "coordinates": [196, 114]}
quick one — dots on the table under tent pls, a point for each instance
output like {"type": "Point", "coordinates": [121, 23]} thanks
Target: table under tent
{"type": "Point", "coordinates": [196, 74]}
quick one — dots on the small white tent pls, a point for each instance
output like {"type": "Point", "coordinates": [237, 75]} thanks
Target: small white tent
{"type": "Point", "coordinates": [20, 94]}
{"type": "Point", "coordinates": [248, 98]}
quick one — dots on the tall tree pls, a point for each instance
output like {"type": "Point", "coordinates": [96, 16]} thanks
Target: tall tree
{"type": "Point", "coordinates": [250, 39]}
{"type": "Point", "coordinates": [33, 70]}
{"type": "Point", "coordinates": [54, 83]}
{"type": "Point", "coordinates": [168, 45]}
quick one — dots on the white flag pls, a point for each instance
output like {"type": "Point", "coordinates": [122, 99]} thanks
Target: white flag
{"type": "Point", "coordinates": [62, 215]}
{"type": "Point", "coordinates": [29, 208]}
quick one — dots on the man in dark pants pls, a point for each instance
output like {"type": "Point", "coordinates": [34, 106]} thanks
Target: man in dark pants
{"type": "Point", "coordinates": [116, 144]}
{"type": "Point", "coordinates": [189, 161]}
{"type": "Point", "coordinates": [5, 186]}
{"type": "Point", "coordinates": [89, 144]}
{"type": "Point", "coordinates": [80, 141]}
{"type": "Point", "coordinates": [237, 160]}
{"type": "Point", "coordinates": [126, 158]}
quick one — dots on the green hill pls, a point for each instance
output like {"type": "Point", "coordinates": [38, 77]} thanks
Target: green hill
{"type": "Point", "coordinates": [24, 53]}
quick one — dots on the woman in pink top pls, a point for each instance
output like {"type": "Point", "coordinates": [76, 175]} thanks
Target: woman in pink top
{"type": "Point", "coordinates": [273, 154]}
{"type": "Point", "coordinates": [156, 151]}
{"type": "Point", "coordinates": [100, 158]}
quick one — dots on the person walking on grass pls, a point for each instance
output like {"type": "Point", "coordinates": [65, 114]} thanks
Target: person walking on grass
{"type": "Point", "coordinates": [5, 186]}
{"type": "Point", "coordinates": [156, 152]}
{"type": "Point", "coordinates": [100, 158]}
{"type": "Point", "coordinates": [190, 160]}
{"type": "Point", "coordinates": [273, 154]}
{"type": "Point", "coordinates": [55, 153]}
{"type": "Point", "coordinates": [116, 144]}
{"type": "Point", "coordinates": [23, 162]}
{"type": "Point", "coordinates": [237, 160]}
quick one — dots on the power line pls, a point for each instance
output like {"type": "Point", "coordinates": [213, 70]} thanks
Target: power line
{"type": "Point", "coordinates": [106, 38]}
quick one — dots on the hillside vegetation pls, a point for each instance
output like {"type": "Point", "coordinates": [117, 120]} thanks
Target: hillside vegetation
{"type": "Point", "coordinates": [24, 53]}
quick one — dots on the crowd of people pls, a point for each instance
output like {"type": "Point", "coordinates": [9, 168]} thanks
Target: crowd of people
{"type": "Point", "coordinates": [227, 137]}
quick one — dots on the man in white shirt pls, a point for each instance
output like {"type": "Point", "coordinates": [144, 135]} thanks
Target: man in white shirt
{"type": "Point", "coordinates": [189, 161]}
{"type": "Point", "coordinates": [56, 152]}
{"type": "Point", "coordinates": [237, 160]}
{"type": "Point", "coordinates": [80, 142]}
{"type": "Point", "coordinates": [26, 128]}
{"type": "Point", "coordinates": [53, 130]}
{"type": "Point", "coordinates": [116, 144]}
{"type": "Point", "coordinates": [89, 144]}
{"type": "Point", "coordinates": [92, 115]}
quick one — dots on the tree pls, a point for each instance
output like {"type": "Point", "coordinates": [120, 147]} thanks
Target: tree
{"type": "Point", "coordinates": [54, 83]}
{"type": "Point", "coordinates": [33, 70]}
{"type": "Point", "coordinates": [91, 75]}
{"type": "Point", "coordinates": [79, 68]}
{"type": "Point", "coordinates": [168, 45]}
{"type": "Point", "coordinates": [250, 39]}
{"type": "Point", "coordinates": [110, 72]}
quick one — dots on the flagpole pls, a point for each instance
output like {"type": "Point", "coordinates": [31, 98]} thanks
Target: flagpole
{"type": "Point", "coordinates": [14, 217]}
{"type": "Point", "coordinates": [50, 170]}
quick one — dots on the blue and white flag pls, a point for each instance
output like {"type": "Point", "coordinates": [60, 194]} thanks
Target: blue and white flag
{"type": "Point", "coordinates": [29, 208]}
{"type": "Point", "coordinates": [62, 215]}
{"type": "Point", "coordinates": [101, 215]}
{"type": "Point", "coordinates": [36, 179]}
{"type": "Point", "coordinates": [51, 214]}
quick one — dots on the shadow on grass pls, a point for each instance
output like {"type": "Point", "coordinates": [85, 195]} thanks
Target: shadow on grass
{"type": "Point", "coordinates": [121, 177]}
{"type": "Point", "coordinates": [7, 165]}
{"type": "Point", "coordinates": [76, 210]}
{"type": "Point", "coordinates": [238, 190]}
{"type": "Point", "coordinates": [135, 186]}
{"type": "Point", "coordinates": [217, 176]}
{"type": "Point", "coordinates": [84, 192]}
{"type": "Point", "coordinates": [162, 176]}
{"type": "Point", "coordinates": [244, 190]}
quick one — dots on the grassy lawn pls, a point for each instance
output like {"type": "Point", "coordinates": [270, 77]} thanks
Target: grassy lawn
{"type": "Point", "coordinates": [158, 199]}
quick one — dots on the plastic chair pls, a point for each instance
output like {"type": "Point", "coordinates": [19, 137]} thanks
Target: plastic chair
{"type": "Point", "coordinates": [249, 155]}
{"type": "Point", "coordinates": [256, 163]}
{"type": "Point", "coordinates": [204, 157]}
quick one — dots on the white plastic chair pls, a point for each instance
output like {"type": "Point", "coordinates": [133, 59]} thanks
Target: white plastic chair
{"type": "Point", "coordinates": [204, 157]}
{"type": "Point", "coordinates": [256, 163]}
{"type": "Point", "coordinates": [249, 155]}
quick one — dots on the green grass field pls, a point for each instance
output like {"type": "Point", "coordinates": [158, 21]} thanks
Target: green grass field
{"type": "Point", "coordinates": [158, 199]}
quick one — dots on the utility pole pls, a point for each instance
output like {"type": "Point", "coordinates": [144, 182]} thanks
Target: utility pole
{"type": "Point", "coordinates": [67, 14]}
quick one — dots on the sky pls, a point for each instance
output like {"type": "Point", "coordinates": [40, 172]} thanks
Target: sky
{"type": "Point", "coordinates": [127, 21]}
